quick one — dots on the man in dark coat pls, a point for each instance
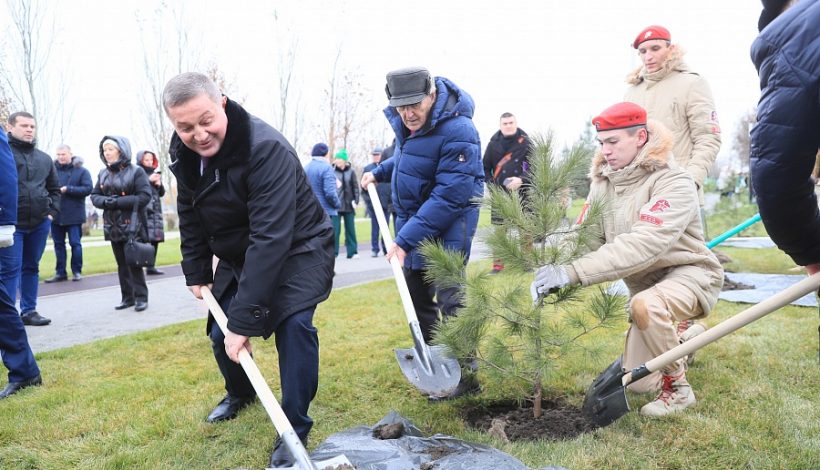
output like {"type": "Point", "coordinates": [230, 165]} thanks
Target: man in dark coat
{"type": "Point", "coordinates": [38, 203]}
{"type": "Point", "coordinates": [435, 174]}
{"type": "Point", "coordinates": [347, 187]}
{"type": "Point", "coordinates": [244, 198]}
{"type": "Point", "coordinates": [787, 134]}
{"type": "Point", "coordinates": [14, 347]}
{"type": "Point", "coordinates": [75, 186]}
{"type": "Point", "coordinates": [383, 191]}
{"type": "Point", "coordinates": [506, 162]}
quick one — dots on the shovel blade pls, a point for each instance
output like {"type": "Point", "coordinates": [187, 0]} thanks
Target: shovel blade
{"type": "Point", "coordinates": [440, 379]}
{"type": "Point", "coordinates": [605, 400]}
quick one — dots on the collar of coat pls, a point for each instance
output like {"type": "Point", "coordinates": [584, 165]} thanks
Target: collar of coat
{"type": "Point", "coordinates": [655, 155]}
{"type": "Point", "coordinates": [235, 148]}
{"type": "Point", "coordinates": [674, 63]}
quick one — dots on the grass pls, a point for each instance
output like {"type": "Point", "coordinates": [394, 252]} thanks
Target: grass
{"type": "Point", "coordinates": [138, 401]}
{"type": "Point", "coordinates": [100, 259]}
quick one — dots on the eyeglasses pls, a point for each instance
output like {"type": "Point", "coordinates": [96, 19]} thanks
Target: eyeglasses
{"type": "Point", "coordinates": [409, 107]}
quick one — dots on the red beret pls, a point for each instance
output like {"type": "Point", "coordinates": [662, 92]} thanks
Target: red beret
{"type": "Point", "coordinates": [652, 32]}
{"type": "Point", "coordinates": [620, 116]}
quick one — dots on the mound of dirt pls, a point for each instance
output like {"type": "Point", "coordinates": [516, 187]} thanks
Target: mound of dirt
{"type": "Point", "coordinates": [509, 419]}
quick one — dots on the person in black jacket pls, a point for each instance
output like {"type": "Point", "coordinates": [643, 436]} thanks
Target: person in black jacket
{"type": "Point", "coordinates": [120, 188]}
{"type": "Point", "coordinates": [348, 190]}
{"type": "Point", "coordinates": [38, 203]}
{"type": "Point", "coordinates": [75, 186]}
{"type": "Point", "coordinates": [153, 212]}
{"type": "Point", "coordinates": [785, 139]}
{"type": "Point", "coordinates": [244, 198]}
{"type": "Point", "coordinates": [506, 163]}
{"type": "Point", "coordinates": [383, 190]}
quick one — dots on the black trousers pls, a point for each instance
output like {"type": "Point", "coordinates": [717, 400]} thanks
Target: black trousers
{"type": "Point", "coordinates": [428, 300]}
{"type": "Point", "coordinates": [297, 344]}
{"type": "Point", "coordinates": [132, 279]}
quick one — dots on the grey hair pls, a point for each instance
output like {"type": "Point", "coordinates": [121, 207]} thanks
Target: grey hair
{"type": "Point", "coordinates": [64, 147]}
{"type": "Point", "coordinates": [186, 86]}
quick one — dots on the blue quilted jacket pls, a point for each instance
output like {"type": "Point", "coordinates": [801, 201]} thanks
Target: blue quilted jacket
{"type": "Point", "coordinates": [436, 175]}
{"type": "Point", "coordinates": [787, 135]}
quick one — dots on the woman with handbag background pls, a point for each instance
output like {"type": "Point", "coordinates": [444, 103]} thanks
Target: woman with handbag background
{"type": "Point", "coordinates": [147, 160]}
{"type": "Point", "coordinates": [123, 191]}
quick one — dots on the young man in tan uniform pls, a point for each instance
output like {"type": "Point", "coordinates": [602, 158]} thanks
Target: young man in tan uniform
{"type": "Point", "coordinates": [677, 97]}
{"type": "Point", "coordinates": [653, 239]}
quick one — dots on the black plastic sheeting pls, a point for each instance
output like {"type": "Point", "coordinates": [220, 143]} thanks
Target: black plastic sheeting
{"type": "Point", "coordinates": [413, 451]}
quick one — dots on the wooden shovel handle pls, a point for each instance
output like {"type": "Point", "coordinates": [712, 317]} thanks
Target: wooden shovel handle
{"type": "Point", "coordinates": [755, 312]}
{"type": "Point", "coordinates": [263, 391]}
{"type": "Point", "coordinates": [404, 292]}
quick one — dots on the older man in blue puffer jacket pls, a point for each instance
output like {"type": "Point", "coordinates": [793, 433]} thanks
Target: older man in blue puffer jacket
{"type": "Point", "coordinates": [435, 175]}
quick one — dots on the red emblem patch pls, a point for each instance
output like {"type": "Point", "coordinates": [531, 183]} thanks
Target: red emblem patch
{"type": "Point", "coordinates": [651, 219]}
{"type": "Point", "coordinates": [660, 206]}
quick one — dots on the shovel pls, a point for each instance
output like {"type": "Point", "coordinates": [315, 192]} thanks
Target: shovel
{"type": "Point", "coordinates": [280, 421]}
{"type": "Point", "coordinates": [606, 401]}
{"type": "Point", "coordinates": [733, 231]}
{"type": "Point", "coordinates": [428, 368]}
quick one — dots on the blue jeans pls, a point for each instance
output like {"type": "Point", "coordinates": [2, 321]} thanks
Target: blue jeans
{"type": "Point", "coordinates": [20, 264]}
{"type": "Point", "coordinates": [14, 347]}
{"type": "Point", "coordinates": [297, 343]}
{"type": "Point", "coordinates": [75, 234]}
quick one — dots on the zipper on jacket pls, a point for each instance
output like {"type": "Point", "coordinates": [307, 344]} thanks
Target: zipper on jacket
{"type": "Point", "coordinates": [207, 189]}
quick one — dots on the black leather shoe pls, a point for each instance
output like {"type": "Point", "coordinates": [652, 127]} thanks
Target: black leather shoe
{"type": "Point", "coordinates": [77, 277]}
{"type": "Point", "coordinates": [56, 279]}
{"type": "Point", "coordinates": [14, 387]}
{"type": "Point", "coordinates": [466, 386]}
{"type": "Point", "coordinates": [33, 318]}
{"type": "Point", "coordinates": [228, 408]}
{"type": "Point", "coordinates": [153, 272]}
{"type": "Point", "coordinates": [124, 304]}
{"type": "Point", "coordinates": [140, 306]}
{"type": "Point", "coordinates": [280, 457]}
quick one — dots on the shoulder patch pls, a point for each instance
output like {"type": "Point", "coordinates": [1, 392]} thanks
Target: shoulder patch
{"type": "Point", "coordinates": [651, 219]}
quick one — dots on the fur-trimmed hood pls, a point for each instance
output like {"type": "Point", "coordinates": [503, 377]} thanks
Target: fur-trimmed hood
{"type": "Point", "coordinates": [674, 62]}
{"type": "Point", "coordinates": [656, 154]}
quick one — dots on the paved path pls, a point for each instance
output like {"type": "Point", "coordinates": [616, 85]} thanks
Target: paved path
{"type": "Point", "coordinates": [83, 311]}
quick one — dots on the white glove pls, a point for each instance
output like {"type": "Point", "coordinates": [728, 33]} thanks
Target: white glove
{"type": "Point", "coordinates": [548, 279]}
{"type": "Point", "coordinates": [6, 236]}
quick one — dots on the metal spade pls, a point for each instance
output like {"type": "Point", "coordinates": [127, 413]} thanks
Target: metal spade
{"type": "Point", "coordinates": [606, 401]}
{"type": "Point", "coordinates": [428, 368]}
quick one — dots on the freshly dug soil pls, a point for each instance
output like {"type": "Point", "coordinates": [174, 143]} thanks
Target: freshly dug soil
{"type": "Point", "coordinates": [388, 431]}
{"type": "Point", "coordinates": [729, 284]}
{"type": "Point", "coordinates": [558, 420]}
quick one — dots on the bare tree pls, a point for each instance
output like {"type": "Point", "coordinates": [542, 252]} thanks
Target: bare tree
{"type": "Point", "coordinates": [33, 81]}
{"type": "Point", "coordinates": [349, 113]}
{"type": "Point", "coordinates": [5, 106]}
{"type": "Point", "coordinates": [741, 142]}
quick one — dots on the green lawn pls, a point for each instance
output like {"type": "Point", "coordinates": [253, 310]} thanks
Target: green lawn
{"type": "Point", "coordinates": [138, 401]}
{"type": "Point", "coordinates": [100, 259]}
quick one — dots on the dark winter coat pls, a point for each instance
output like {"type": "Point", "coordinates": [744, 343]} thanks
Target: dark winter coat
{"type": "Point", "coordinates": [121, 186]}
{"type": "Point", "coordinates": [383, 191]}
{"type": "Point", "coordinates": [77, 181]}
{"type": "Point", "coordinates": [8, 182]}
{"type": "Point", "coordinates": [787, 135]}
{"type": "Point", "coordinates": [435, 175]}
{"type": "Point", "coordinates": [38, 190]}
{"type": "Point", "coordinates": [507, 157]}
{"type": "Point", "coordinates": [347, 188]}
{"type": "Point", "coordinates": [153, 212]}
{"type": "Point", "coordinates": [253, 208]}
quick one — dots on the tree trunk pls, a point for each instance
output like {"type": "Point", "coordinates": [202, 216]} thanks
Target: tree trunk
{"type": "Point", "coordinates": [536, 404]}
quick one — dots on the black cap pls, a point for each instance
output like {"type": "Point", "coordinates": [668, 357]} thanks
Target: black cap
{"type": "Point", "coordinates": [408, 86]}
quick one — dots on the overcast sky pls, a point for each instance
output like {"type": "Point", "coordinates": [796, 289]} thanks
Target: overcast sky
{"type": "Point", "coordinates": [553, 64]}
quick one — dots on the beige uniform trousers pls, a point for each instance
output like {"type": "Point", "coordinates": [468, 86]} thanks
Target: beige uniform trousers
{"type": "Point", "coordinates": [653, 313]}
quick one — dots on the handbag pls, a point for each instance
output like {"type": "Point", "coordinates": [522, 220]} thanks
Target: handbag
{"type": "Point", "coordinates": [137, 253]}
